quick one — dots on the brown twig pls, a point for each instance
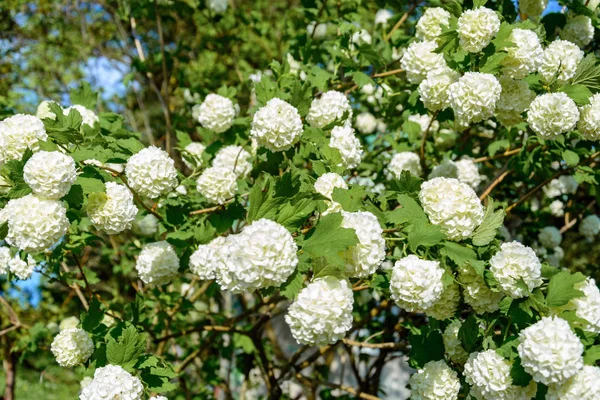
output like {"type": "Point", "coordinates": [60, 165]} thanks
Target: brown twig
{"type": "Point", "coordinates": [424, 140]}
{"type": "Point", "coordinates": [507, 153]}
{"type": "Point", "coordinates": [401, 21]}
{"type": "Point", "coordinates": [503, 173]}
{"type": "Point", "coordinates": [387, 345]}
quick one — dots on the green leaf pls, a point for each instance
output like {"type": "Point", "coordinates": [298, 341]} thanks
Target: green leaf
{"type": "Point", "coordinates": [492, 220]}
{"type": "Point", "coordinates": [518, 374]}
{"type": "Point", "coordinates": [84, 95]}
{"type": "Point", "coordinates": [125, 349]}
{"type": "Point", "coordinates": [469, 334]}
{"type": "Point", "coordinates": [361, 79]}
{"type": "Point", "coordinates": [578, 93]}
{"type": "Point", "coordinates": [183, 138]}
{"type": "Point", "coordinates": [454, 7]}
{"type": "Point", "coordinates": [424, 235]}
{"type": "Point", "coordinates": [92, 318]}
{"type": "Point", "coordinates": [425, 346]}
{"type": "Point", "coordinates": [371, 55]}
{"type": "Point", "coordinates": [458, 253]}
{"type": "Point", "coordinates": [493, 64]}
{"type": "Point", "coordinates": [407, 183]}
{"type": "Point", "coordinates": [90, 185]}
{"type": "Point", "coordinates": [3, 230]}
{"type": "Point", "coordinates": [561, 288]}
{"type": "Point", "coordinates": [548, 271]}
{"type": "Point", "coordinates": [570, 157]}
{"type": "Point", "coordinates": [243, 342]}
{"type": "Point", "coordinates": [350, 199]}
{"type": "Point", "coordinates": [591, 355]}
{"type": "Point", "coordinates": [329, 239]}
{"type": "Point", "coordinates": [479, 3]}
{"type": "Point", "coordinates": [265, 90]}
{"type": "Point", "coordinates": [588, 74]}
{"type": "Point", "coordinates": [293, 285]}
{"type": "Point", "coordinates": [410, 212]}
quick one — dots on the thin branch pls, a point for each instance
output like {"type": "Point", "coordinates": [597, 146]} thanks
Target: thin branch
{"type": "Point", "coordinates": [344, 388]}
{"type": "Point", "coordinates": [165, 79]}
{"type": "Point", "coordinates": [497, 156]}
{"type": "Point", "coordinates": [401, 21]}
{"type": "Point", "coordinates": [424, 140]}
{"type": "Point", "coordinates": [387, 345]}
{"type": "Point", "coordinates": [499, 178]}
{"type": "Point", "coordinates": [388, 73]}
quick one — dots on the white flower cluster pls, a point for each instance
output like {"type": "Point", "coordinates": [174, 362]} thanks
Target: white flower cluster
{"type": "Point", "coordinates": [19, 133]}
{"type": "Point", "coordinates": [578, 30]}
{"type": "Point", "coordinates": [276, 126]}
{"type": "Point", "coordinates": [445, 307]}
{"type": "Point", "coordinates": [43, 110]}
{"type": "Point", "coordinates": [434, 89]}
{"type": "Point", "coordinates": [513, 264]}
{"type": "Point", "coordinates": [88, 117]}
{"type": "Point", "coordinates": [193, 154]}
{"type": "Point", "coordinates": [146, 226]}
{"type": "Point", "coordinates": [404, 161]}
{"type": "Point", "coordinates": [560, 61]}
{"type": "Point", "coordinates": [50, 174]}
{"type": "Point", "coordinates": [589, 121]}
{"type": "Point", "coordinates": [557, 208]}
{"type": "Point", "coordinates": [22, 269]}
{"type": "Point", "coordinates": [113, 211]}
{"type": "Point", "coordinates": [4, 259]}
{"type": "Point", "coordinates": [452, 205]}
{"type": "Point", "coordinates": [68, 323]}
{"type": "Point", "coordinates": [446, 169]}
{"type": "Point", "coordinates": [453, 348]}
{"type": "Point", "coordinates": [113, 382]}
{"type": "Point", "coordinates": [425, 121]}
{"type": "Point", "coordinates": [325, 184]}
{"type": "Point", "coordinates": [476, 293]}
{"type": "Point", "coordinates": [514, 100]}
{"type": "Point", "coordinates": [584, 385]}
{"type": "Point", "coordinates": [524, 56]}
{"type": "Point", "coordinates": [344, 140]}
{"type": "Point", "coordinates": [552, 114]}
{"type": "Point", "coordinates": [366, 123]}
{"type": "Point", "coordinates": [477, 28]}
{"type": "Point", "coordinates": [416, 284]}
{"type": "Point", "coordinates": [468, 173]}
{"type": "Point", "coordinates": [587, 307]}
{"type": "Point", "coordinates": [550, 237]}
{"type": "Point", "coordinates": [216, 113]}
{"type": "Point", "coordinates": [474, 96]}
{"type": "Point", "coordinates": [72, 347]}
{"type": "Point", "coordinates": [234, 158]}
{"type": "Point", "coordinates": [151, 172]}
{"type": "Point", "coordinates": [218, 6]}
{"type": "Point", "coordinates": [429, 27]}
{"type": "Point", "coordinates": [330, 107]}
{"type": "Point", "coordinates": [34, 224]}
{"type": "Point", "coordinates": [590, 227]}
{"type": "Point", "coordinates": [532, 8]}
{"type": "Point", "coordinates": [435, 381]}
{"type": "Point", "coordinates": [157, 263]}
{"type": "Point", "coordinates": [204, 261]}
{"type": "Point", "coordinates": [322, 313]}
{"type": "Point", "coordinates": [420, 58]}
{"type": "Point", "coordinates": [550, 352]}
{"type": "Point", "coordinates": [488, 374]}
{"type": "Point", "coordinates": [564, 184]}
{"type": "Point", "coordinates": [217, 184]}
{"type": "Point", "coordinates": [364, 258]}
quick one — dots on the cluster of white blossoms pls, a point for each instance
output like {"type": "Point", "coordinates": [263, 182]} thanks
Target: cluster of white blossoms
{"type": "Point", "coordinates": [477, 28]}
{"type": "Point", "coordinates": [325, 184]}
{"type": "Point", "coordinates": [515, 264]}
{"type": "Point", "coordinates": [564, 184]}
{"type": "Point", "coordinates": [514, 100]}
{"type": "Point", "coordinates": [364, 258]}
{"type": "Point", "coordinates": [404, 161]}
{"type": "Point", "coordinates": [193, 154]}
{"type": "Point", "coordinates": [445, 307]}
{"type": "Point", "coordinates": [277, 126]}
{"type": "Point", "coordinates": [217, 184]}
{"type": "Point", "coordinates": [578, 30]}
{"type": "Point", "coordinates": [446, 169]}
{"type": "Point", "coordinates": [21, 268]}
{"type": "Point", "coordinates": [345, 141]}
{"type": "Point", "coordinates": [322, 312]}
{"type": "Point", "coordinates": [425, 121]}
{"type": "Point", "coordinates": [550, 352]}
{"type": "Point", "coordinates": [532, 8]}
{"type": "Point", "coordinates": [524, 55]}
{"type": "Point", "coordinates": [151, 172]}
{"type": "Point", "coordinates": [234, 158]}
{"type": "Point", "coordinates": [113, 211]}
{"type": "Point", "coordinates": [415, 284]}
{"type": "Point", "coordinates": [43, 110]}
{"type": "Point", "coordinates": [146, 226]}
{"type": "Point", "coordinates": [157, 263]}
{"type": "Point", "coordinates": [552, 114]}
{"type": "Point", "coordinates": [587, 307]}
{"type": "Point", "coordinates": [451, 205]}
{"type": "Point", "coordinates": [4, 259]}
{"type": "Point", "coordinates": [550, 237]}
{"type": "Point", "coordinates": [262, 255]}
{"type": "Point", "coordinates": [420, 58]}
{"type": "Point", "coordinates": [366, 123]}
{"type": "Point", "coordinates": [589, 121]}
{"type": "Point", "coordinates": [584, 385]}
{"type": "Point", "coordinates": [331, 107]}
{"type": "Point", "coordinates": [88, 117]}
{"type": "Point", "coordinates": [557, 208]}
{"type": "Point", "coordinates": [68, 323]}
{"type": "Point", "coordinates": [216, 113]}
{"type": "Point", "coordinates": [429, 27]}
{"type": "Point", "coordinates": [590, 227]}
{"type": "Point", "coordinates": [34, 224]}
{"type": "Point", "coordinates": [113, 382]}
{"type": "Point", "coordinates": [19, 133]}
{"type": "Point", "coordinates": [476, 293]}
{"type": "Point", "coordinates": [435, 381]}
{"type": "Point", "coordinates": [453, 348]}
{"type": "Point", "coordinates": [205, 260]}
{"type": "Point", "coordinates": [560, 61]}
{"type": "Point", "coordinates": [50, 174]}
{"type": "Point", "coordinates": [72, 347]}
{"type": "Point", "coordinates": [434, 89]}
{"type": "Point", "coordinates": [474, 96]}
{"type": "Point", "coordinates": [468, 173]}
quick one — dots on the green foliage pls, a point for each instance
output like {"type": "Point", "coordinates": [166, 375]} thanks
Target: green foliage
{"type": "Point", "coordinates": [329, 239]}
{"type": "Point", "coordinates": [561, 288]}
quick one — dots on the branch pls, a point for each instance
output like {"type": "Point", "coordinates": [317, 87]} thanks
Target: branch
{"type": "Point", "coordinates": [503, 173]}
{"type": "Point", "coordinates": [387, 345]}
{"type": "Point", "coordinates": [344, 388]}
{"type": "Point", "coordinates": [401, 21]}
{"type": "Point", "coordinates": [422, 153]}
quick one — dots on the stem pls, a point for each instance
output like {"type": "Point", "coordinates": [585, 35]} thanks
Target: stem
{"type": "Point", "coordinates": [10, 370]}
{"type": "Point", "coordinates": [422, 154]}
{"type": "Point", "coordinates": [401, 21]}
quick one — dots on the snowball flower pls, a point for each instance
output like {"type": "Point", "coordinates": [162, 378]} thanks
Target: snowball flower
{"type": "Point", "coordinates": [234, 158]}
{"type": "Point", "coordinates": [50, 174]}
{"type": "Point", "coordinates": [22, 269]}
{"type": "Point", "coordinates": [158, 398]}
{"type": "Point", "coordinates": [366, 123]}
{"type": "Point", "coordinates": [476, 293]}
{"type": "Point", "coordinates": [524, 55]}
{"type": "Point", "coordinates": [557, 208]}
{"type": "Point", "coordinates": [550, 352]}
{"type": "Point", "coordinates": [331, 107]}
{"type": "Point", "coordinates": [316, 31]}
{"type": "Point", "coordinates": [344, 140]}
{"type": "Point", "coordinates": [473, 97]}
{"type": "Point", "coordinates": [435, 381]}
{"type": "Point", "coordinates": [514, 100]}
{"type": "Point", "coordinates": [43, 110]}
{"type": "Point", "coordinates": [216, 113]}
{"type": "Point", "coordinates": [205, 260]}
{"type": "Point", "coordinates": [550, 237]}
{"type": "Point", "coordinates": [151, 172]}
{"type": "Point", "coordinates": [590, 227]}
{"type": "Point", "coordinates": [363, 259]}
{"type": "Point", "coordinates": [113, 382]}
{"type": "Point", "coordinates": [419, 59]}
{"type": "Point", "coordinates": [262, 255]}
{"type": "Point", "coordinates": [404, 161]}
{"type": "Point", "coordinates": [325, 185]}
{"type": "Point", "coordinates": [468, 173]}
{"type": "Point", "coordinates": [416, 284]}
{"type": "Point", "coordinates": [72, 347]}
{"type": "Point", "coordinates": [217, 184]}
{"type": "Point", "coordinates": [382, 16]}
{"type": "Point", "coordinates": [477, 28]}
{"type": "Point", "coordinates": [552, 114]}
{"type": "Point", "coordinates": [589, 120]}
{"type": "Point", "coordinates": [193, 154]}
{"type": "Point", "coordinates": [516, 263]}
{"type": "Point", "coordinates": [68, 323]}
{"type": "Point", "coordinates": [488, 374]}
{"type": "Point", "coordinates": [430, 25]}
{"type": "Point", "coordinates": [434, 89]}
{"type": "Point", "coordinates": [146, 226]}
{"type": "Point", "coordinates": [157, 263]}
{"type": "Point", "coordinates": [560, 62]}
{"type": "Point", "coordinates": [276, 126]}
{"type": "Point", "coordinates": [217, 6]}
{"type": "Point", "coordinates": [578, 30]}
{"type": "Point", "coordinates": [454, 350]}
{"type": "Point", "coordinates": [4, 259]}
{"type": "Point", "coordinates": [113, 211]}
{"type": "Point", "coordinates": [19, 133]}
{"type": "Point", "coordinates": [452, 205]}
{"type": "Point", "coordinates": [564, 184]}
{"type": "Point", "coordinates": [445, 307]}
{"type": "Point", "coordinates": [88, 117]}
{"type": "Point", "coordinates": [34, 224]}
{"type": "Point", "coordinates": [532, 8]}
{"type": "Point", "coordinates": [584, 385]}
{"type": "Point", "coordinates": [587, 307]}
{"type": "Point", "coordinates": [424, 120]}
{"type": "Point", "coordinates": [322, 313]}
